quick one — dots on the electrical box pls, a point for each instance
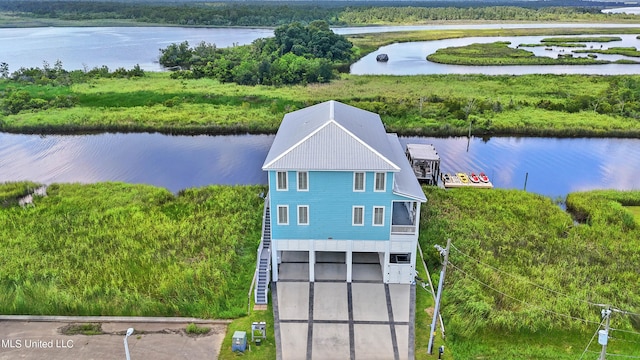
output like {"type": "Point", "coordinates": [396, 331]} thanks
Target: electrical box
{"type": "Point", "coordinates": [603, 337]}
{"type": "Point", "coordinates": [239, 342]}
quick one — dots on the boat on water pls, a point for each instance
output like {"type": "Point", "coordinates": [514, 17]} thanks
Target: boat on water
{"type": "Point", "coordinates": [463, 177]}
{"type": "Point", "coordinates": [474, 178]}
{"type": "Point", "coordinates": [446, 177]}
{"type": "Point", "coordinates": [484, 178]}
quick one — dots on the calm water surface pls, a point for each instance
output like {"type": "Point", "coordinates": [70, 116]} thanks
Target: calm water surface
{"type": "Point", "coordinates": [89, 47]}
{"type": "Point", "coordinates": [555, 166]}
{"type": "Point", "coordinates": [411, 58]}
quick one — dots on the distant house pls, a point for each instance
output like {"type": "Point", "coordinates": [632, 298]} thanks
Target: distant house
{"type": "Point", "coordinates": [342, 195]}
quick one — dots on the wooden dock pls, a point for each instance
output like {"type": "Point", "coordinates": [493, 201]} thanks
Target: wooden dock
{"type": "Point", "coordinates": [454, 181]}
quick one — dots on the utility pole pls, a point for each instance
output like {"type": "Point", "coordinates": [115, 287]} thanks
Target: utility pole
{"type": "Point", "coordinates": [604, 334]}
{"type": "Point", "coordinates": [445, 253]}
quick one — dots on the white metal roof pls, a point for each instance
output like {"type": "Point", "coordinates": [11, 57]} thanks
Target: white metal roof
{"type": "Point", "coordinates": [331, 136]}
{"type": "Point", "coordinates": [405, 182]}
{"type": "Point", "coordinates": [423, 152]}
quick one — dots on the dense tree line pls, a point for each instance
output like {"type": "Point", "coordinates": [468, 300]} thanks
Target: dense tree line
{"type": "Point", "coordinates": [296, 54]}
{"type": "Point", "coordinates": [274, 13]}
{"type": "Point", "coordinates": [377, 15]}
{"type": "Point", "coordinates": [192, 14]}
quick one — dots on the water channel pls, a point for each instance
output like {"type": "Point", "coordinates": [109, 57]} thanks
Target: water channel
{"type": "Point", "coordinates": [89, 47]}
{"type": "Point", "coordinates": [555, 167]}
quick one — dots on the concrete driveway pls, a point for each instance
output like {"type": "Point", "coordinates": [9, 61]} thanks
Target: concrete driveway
{"type": "Point", "coordinates": [157, 341]}
{"type": "Point", "coordinates": [335, 320]}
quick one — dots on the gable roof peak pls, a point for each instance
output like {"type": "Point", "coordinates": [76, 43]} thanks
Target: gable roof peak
{"type": "Point", "coordinates": [308, 139]}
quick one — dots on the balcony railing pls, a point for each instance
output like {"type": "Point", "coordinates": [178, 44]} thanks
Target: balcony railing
{"type": "Point", "coordinates": [403, 229]}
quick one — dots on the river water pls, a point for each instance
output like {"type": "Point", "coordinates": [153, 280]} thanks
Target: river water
{"type": "Point", "coordinates": [89, 47]}
{"type": "Point", "coordinates": [410, 58]}
{"type": "Point", "coordinates": [555, 167]}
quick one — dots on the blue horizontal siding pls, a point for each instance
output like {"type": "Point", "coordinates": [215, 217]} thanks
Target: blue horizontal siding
{"type": "Point", "coordinates": [330, 199]}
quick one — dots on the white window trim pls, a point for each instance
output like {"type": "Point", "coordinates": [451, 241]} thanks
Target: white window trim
{"type": "Point", "coordinates": [286, 181]}
{"type": "Point", "coordinates": [353, 218]}
{"type": "Point", "coordinates": [298, 214]}
{"type": "Point", "coordinates": [373, 216]}
{"type": "Point", "coordinates": [298, 180]}
{"type": "Point", "coordinates": [364, 181]}
{"type": "Point", "coordinates": [278, 214]}
{"type": "Point", "coordinates": [384, 182]}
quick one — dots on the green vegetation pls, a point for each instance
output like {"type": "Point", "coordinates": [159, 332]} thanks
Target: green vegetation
{"type": "Point", "coordinates": [635, 210]}
{"type": "Point", "coordinates": [130, 250]}
{"type": "Point", "coordinates": [194, 329]}
{"type": "Point", "coordinates": [82, 329]}
{"type": "Point", "coordinates": [116, 249]}
{"type": "Point", "coordinates": [296, 54]}
{"type": "Point", "coordinates": [579, 39]}
{"type": "Point", "coordinates": [267, 348]}
{"type": "Point", "coordinates": [255, 13]}
{"type": "Point", "coordinates": [11, 192]}
{"type": "Point", "coordinates": [626, 51]}
{"type": "Point", "coordinates": [386, 15]}
{"type": "Point", "coordinates": [545, 105]}
{"type": "Point", "coordinates": [524, 279]}
{"type": "Point", "coordinates": [554, 44]}
{"type": "Point", "coordinates": [367, 43]}
{"type": "Point", "coordinates": [499, 53]}
{"type": "Point", "coordinates": [29, 97]}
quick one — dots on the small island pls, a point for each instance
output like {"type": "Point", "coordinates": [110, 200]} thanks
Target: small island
{"type": "Point", "coordinates": [499, 53]}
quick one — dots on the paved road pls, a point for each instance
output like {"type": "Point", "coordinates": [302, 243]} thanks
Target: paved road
{"type": "Point", "coordinates": [33, 340]}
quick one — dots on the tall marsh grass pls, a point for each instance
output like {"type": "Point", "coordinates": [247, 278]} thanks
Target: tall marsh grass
{"type": "Point", "coordinates": [118, 249]}
{"type": "Point", "coordinates": [531, 240]}
{"type": "Point", "coordinates": [539, 105]}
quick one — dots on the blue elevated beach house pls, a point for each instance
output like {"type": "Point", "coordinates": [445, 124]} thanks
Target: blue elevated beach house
{"type": "Point", "coordinates": [343, 200]}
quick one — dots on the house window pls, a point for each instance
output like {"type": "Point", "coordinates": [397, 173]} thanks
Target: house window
{"type": "Point", "coordinates": [378, 216]}
{"type": "Point", "coordinates": [400, 258]}
{"type": "Point", "coordinates": [283, 215]}
{"type": "Point", "coordinates": [303, 181]}
{"type": "Point", "coordinates": [380, 181]}
{"type": "Point", "coordinates": [358, 216]}
{"type": "Point", "coordinates": [282, 180]}
{"type": "Point", "coordinates": [303, 214]}
{"type": "Point", "coordinates": [358, 181]}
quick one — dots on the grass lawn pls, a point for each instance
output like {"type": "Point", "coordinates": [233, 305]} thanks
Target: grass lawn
{"type": "Point", "coordinates": [266, 350]}
{"type": "Point", "coordinates": [635, 210]}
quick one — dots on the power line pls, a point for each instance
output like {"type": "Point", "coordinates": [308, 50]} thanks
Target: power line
{"type": "Point", "coordinates": [522, 301]}
{"type": "Point", "coordinates": [624, 340]}
{"type": "Point", "coordinates": [626, 331]}
{"type": "Point", "coordinates": [519, 277]}
{"type": "Point", "coordinates": [625, 312]}
{"type": "Point", "coordinates": [590, 341]}
{"type": "Point", "coordinates": [618, 355]}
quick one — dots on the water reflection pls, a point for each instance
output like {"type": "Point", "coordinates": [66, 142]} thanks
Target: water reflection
{"type": "Point", "coordinates": [411, 58]}
{"type": "Point", "coordinates": [555, 166]}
